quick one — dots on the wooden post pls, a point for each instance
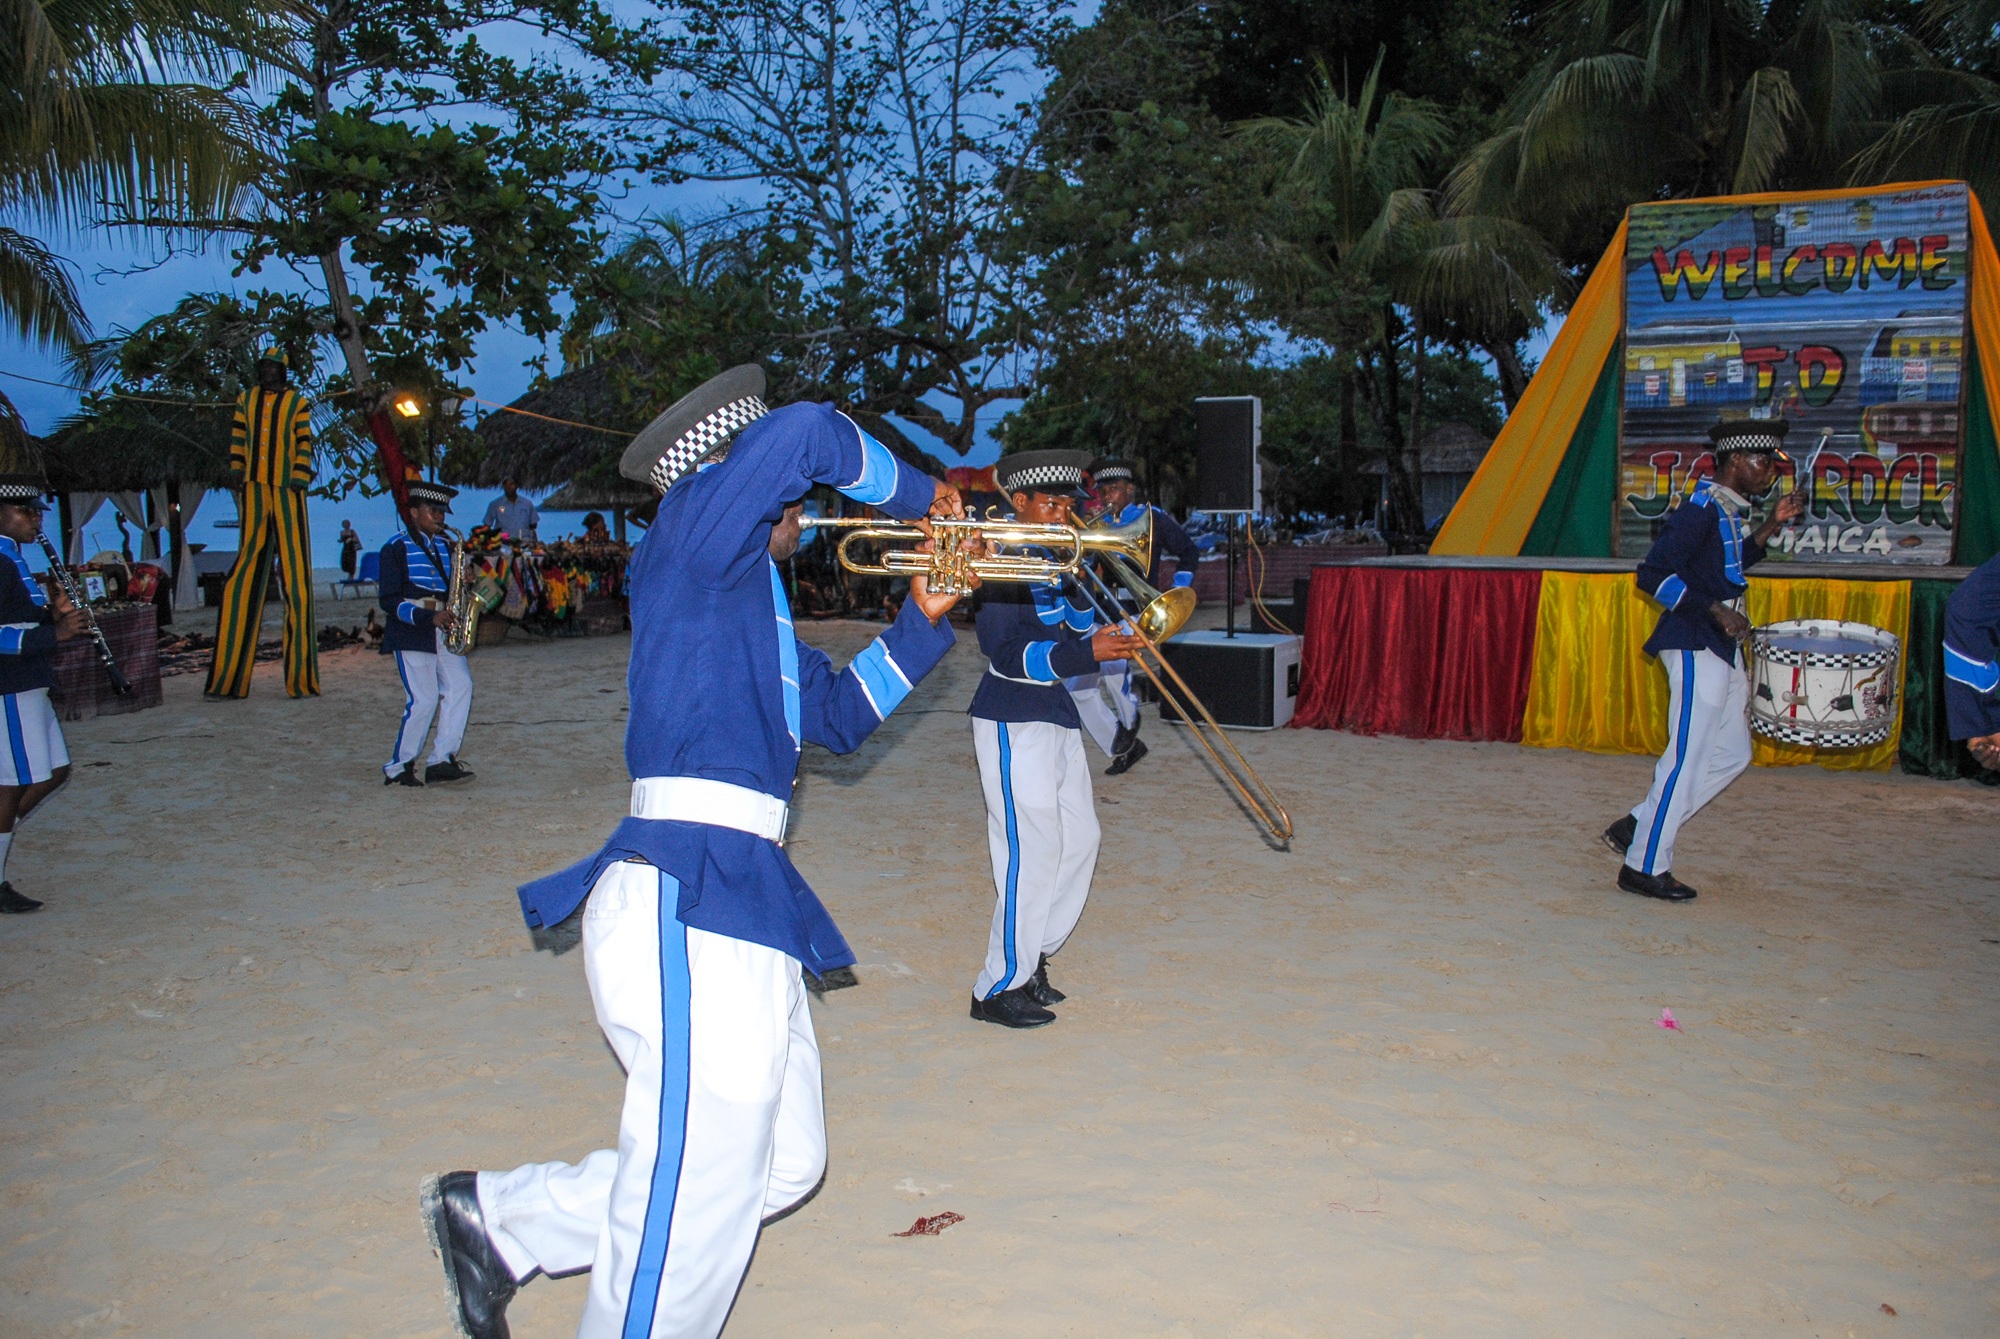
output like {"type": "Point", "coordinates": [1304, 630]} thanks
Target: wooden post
{"type": "Point", "coordinates": [618, 524]}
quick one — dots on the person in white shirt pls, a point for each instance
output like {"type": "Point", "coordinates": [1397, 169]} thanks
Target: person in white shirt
{"type": "Point", "coordinates": [512, 514]}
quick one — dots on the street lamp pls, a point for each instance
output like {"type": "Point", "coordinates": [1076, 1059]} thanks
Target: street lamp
{"type": "Point", "coordinates": [408, 405]}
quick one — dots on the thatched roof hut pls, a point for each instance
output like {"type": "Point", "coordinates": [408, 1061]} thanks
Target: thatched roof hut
{"type": "Point", "coordinates": [526, 447]}
{"type": "Point", "coordinates": [535, 453]}
{"type": "Point", "coordinates": [135, 446]}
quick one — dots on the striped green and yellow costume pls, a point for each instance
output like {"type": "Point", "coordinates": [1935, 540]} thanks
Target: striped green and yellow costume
{"type": "Point", "coordinates": [270, 459]}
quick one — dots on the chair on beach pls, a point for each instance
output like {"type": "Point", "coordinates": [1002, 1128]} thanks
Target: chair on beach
{"type": "Point", "coordinates": [368, 573]}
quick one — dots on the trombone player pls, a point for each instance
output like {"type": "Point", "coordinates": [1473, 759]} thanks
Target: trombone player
{"type": "Point", "coordinates": [1041, 820]}
{"type": "Point", "coordinates": [1105, 701]}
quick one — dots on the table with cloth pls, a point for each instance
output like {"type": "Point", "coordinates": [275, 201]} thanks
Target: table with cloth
{"type": "Point", "coordinates": [82, 688]}
{"type": "Point", "coordinates": [1550, 653]}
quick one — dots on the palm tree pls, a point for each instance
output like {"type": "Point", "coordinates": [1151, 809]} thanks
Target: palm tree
{"type": "Point", "coordinates": [1648, 99]}
{"type": "Point", "coordinates": [107, 108]}
{"type": "Point", "coordinates": [1373, 253]}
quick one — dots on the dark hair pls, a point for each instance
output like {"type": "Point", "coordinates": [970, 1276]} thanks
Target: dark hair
{"type": "Point", "coordinates": [591, 518]}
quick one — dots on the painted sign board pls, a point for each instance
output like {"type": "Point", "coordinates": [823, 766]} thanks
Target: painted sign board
{"type": "Point", "coordinates": [1845, 316]}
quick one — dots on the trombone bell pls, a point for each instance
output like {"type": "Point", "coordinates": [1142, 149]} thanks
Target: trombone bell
{"type": "Point", "coordinates": [1161, 613]}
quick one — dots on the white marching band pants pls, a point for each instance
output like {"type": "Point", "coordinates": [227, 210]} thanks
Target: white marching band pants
{"type": "Point", "coordinates": [1105, 701]}
{"type": "Point", "coordinates": [435, 684]}
{"type": "Point", "coordinates": [722, 1125]}
{"type": "Point", "coordinates": [1708, 746]}
{"type": "Point", "coordinates": [1041, 828]}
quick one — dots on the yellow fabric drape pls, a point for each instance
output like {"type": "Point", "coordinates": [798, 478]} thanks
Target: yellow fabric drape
{"type": "Point", "coordinates": [1880, 604]}
{"type": "Point", "coordinates": [1506, 493]}
{"type": "Point", "coordinates": [1593, 687]}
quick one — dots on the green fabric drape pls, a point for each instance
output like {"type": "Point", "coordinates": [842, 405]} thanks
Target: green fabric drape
{"type": "Point", "coordinates": [1978, 476]}
{"type": "Point", "coordinates": [1927, 748]}
{"type": "Point", "coordinates": [1576, 517]}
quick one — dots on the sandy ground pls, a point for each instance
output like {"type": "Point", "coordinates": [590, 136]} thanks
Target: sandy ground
{"type": "Point", "coordinates": [1403, 1080]}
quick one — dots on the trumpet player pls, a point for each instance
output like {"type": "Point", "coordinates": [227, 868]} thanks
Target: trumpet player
{"type": "Point", "coordinates": [437, 685]}
{"type": "Point", "coordinates": [696, 923]}
{"type": "Point", "coordinates": [1041, 820]}
{"type": "Point", "coordinates": [35, 763]}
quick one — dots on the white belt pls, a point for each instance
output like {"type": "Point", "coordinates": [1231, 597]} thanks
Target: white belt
{"type": "Point", "coordinates": [692, 799]}
{"type": "Point", "coordinates": [1032, 683]}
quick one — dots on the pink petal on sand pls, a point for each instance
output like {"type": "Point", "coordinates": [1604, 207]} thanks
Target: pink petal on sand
{"type": "Point", "coordinates": [1666, 1020]}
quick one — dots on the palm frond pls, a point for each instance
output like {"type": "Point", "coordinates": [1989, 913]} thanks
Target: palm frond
{"type": "Point", "coordinates": [37, 297]}
{"type": "Point", "coordinates": [1951, 140]}
{"type": "Point", "coordinates": [1760, 132]}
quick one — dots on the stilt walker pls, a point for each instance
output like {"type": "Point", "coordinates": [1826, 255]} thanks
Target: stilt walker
{"type": "Point", "coordinates": [270, 466]}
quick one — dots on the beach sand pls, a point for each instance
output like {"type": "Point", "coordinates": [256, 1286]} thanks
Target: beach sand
{"type": "Point", "coordinates": [1402, 1080]}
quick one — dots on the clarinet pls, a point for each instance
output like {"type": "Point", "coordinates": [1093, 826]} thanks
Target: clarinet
{"type": "Point", "coordinates": [67, 580]}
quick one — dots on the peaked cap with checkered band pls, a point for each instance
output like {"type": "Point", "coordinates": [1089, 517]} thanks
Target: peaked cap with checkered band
{"type": "Point", "coordinates": [695, 425]}
{"type": "Point", "coordinates": [1763, 435]}
{"type": "Point", "coordinates": [1042, 472]}
{"type": "Point", "coordinates": [21, 479]}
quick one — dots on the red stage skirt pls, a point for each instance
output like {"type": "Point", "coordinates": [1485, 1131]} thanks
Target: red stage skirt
{"type": "Point", "coordinates": [1431, 653]}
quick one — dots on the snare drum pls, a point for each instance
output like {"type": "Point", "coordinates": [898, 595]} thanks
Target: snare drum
{"type": "Point", "coordinates": [1817, 682]}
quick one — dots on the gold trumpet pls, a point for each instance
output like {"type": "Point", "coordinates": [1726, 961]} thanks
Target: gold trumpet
{"type": "Point", "coordinates": [948, 564]}
{"type": "Point", "coordinates": [1161, 615]}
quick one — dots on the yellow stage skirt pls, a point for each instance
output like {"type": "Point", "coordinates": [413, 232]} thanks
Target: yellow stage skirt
{"type": "Point", "coordinates": [1593, 686]}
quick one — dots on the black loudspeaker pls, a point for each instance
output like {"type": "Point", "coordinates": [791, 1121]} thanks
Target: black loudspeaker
{"type": "Point", "coordinates": [1249, 681]}
{"type": "Point", "coordinates": [1228, 429]}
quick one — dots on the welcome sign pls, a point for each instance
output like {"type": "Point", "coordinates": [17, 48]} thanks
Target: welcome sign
{"type": "Point", "coordinates": [1845, 316]}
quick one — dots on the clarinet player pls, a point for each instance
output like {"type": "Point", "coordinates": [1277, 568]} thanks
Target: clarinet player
{"type": "Point", "coordinates": [35, 763]}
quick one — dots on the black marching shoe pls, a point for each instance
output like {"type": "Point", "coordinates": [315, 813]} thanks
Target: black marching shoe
{"type": "Point", "coordinates": [477, 1278]}
{"type": "Point", "coordinates": [1620, 834]}
{"type": "Point", "coordinates": [1012, 1008]}
{"type": "Point", "coordinates": [407, 777]}
{"type": "Point", "coordinates": [451, 769]}
{"type": "Point", "coordinates": [1038, 986]}
{"type": "Point", "coordinates": [13, 904]}
{"type": "Point", "coordinates": [1662, 885]}
{"type": "Point", "coordinates": [1122, 764]}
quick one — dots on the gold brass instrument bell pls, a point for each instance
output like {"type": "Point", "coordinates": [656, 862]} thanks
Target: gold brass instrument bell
{"type": "Point", "coordinates": [947, 565]}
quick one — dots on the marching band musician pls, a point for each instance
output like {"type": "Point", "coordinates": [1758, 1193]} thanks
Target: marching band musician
{"type": "Point", "coordinates": [1695, 572]}
{"type": "Point", "coordinates": [697, 925]}
{"type": "Point", "coordinates": [1041, 819]}
{"type": "Point", "coordinates": [35, 763]}
{"type": "Point", "coordinates": [416, 576]}
{"type": "Point", "coordinates": [1105, 701]}
{"type": "Point", "coordinates": [1972, 663]}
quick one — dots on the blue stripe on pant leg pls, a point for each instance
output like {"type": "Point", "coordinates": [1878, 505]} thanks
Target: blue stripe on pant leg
{"type": "Point", "coordinates": [409, 702]}
{"type": "Point", "coordinates": [671, 1147]}
{"type": "Point", "coordinates": [17, 742]}
{"type": "Point", "coordinates": [1680, 759]}
{"type": "Point", "coordinates": [1013, 855]}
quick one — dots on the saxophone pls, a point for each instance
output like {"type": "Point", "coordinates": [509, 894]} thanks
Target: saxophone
{"type": "Point", "coordinates": [461, 599]}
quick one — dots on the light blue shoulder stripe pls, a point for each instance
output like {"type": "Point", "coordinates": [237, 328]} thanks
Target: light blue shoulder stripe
{"type": "Point", "coordinates": [788, 652]}
{"type": "Point", "coordinates": [1035, 662]}
{"type": "Point", "coordinates": [1981, 676]}
{"type": "Point", "coordinates": [877, 483]}
{"type": "Point", "coordinates": [882, 679]}
{"type": "Point", "coordinates": [1079, 619]}
{"type": "Point", "coordinates": [1049, 605]}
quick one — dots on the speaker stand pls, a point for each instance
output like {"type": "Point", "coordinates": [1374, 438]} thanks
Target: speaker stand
{"type": "Point", "coordinates": [1229, 618]}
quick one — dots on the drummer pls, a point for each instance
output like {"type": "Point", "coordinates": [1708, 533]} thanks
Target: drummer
{"type": "Point", "coordinates": [1972, 663]}
{"type": "Point", "coordinates": [1695, 571]}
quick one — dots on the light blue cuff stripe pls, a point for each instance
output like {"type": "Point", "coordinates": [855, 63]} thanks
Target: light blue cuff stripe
{"type": "Point", "coordinates": [407, 611]}
{"type": "Point", "coordinates": [1035, 662]}
{"type": "Point", "coordinates": [1050, 614]}
{"type": "Point", "coordinates": [877, 483]}
{"type": "Point", "coordinates": [1183, 579]}
{"type": "Point", "coordinates": [1671, 592]}
{"type": "Point", "coordinates": [881, 678]}
{"type": "Point", "coordinates": [1079, 619]}
{"type": "Point", "coordinates": [10, 640]}
{"type": "Point", "coordinates": [1981, 676]}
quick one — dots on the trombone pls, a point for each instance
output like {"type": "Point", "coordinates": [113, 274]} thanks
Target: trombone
{"type": "Point", "coordinates": [1161, 615]}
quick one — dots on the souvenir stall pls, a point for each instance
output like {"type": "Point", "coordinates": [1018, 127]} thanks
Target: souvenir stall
{"type": "Point", "coordinates": [1869, 320]}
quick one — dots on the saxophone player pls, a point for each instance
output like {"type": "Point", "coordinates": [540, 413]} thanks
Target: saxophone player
{"type": "Point", "coordinates": [416, 571]}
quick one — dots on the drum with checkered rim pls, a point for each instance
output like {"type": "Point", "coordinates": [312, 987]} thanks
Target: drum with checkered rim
{"type": "Point", "coordinates": [1822, 683]}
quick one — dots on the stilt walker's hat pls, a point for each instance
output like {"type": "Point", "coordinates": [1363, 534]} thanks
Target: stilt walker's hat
{"type": "Point", "coordinates": [695, 426]}
{"type": "Point", "coordinates": [1042, 472]}
{"type": "Point", "coordinates": [1765, 436]}
{"type": "Point", "coordinates": [22, 481]}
